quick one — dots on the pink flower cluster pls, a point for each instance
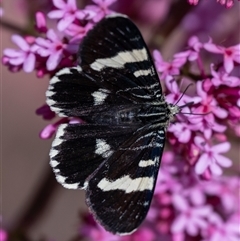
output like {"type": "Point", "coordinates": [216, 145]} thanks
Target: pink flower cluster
{"type": "Point", "coordinates": [57, 48]}
{"type": "Point", "coordinates": [226, 3]}
{"type": "Point", "coordinates": [215, 96]}
{"type": "Point", "coordinates": [192, 201]}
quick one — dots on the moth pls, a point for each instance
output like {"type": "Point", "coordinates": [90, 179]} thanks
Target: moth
{"type": "Point", "coordinates": [115, 154]}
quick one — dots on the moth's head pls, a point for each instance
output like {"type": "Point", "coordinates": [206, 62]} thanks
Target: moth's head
{"type": "Point", "coordinates": [174, 109]}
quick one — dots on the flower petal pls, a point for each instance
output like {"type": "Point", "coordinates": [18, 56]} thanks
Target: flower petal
{"type": "Point", "coordinates": [72, 4]}
{"type": "Point", "coordinates": [202, 164]}
{"type": "Point", "coordinates": [12, 53]}
{"type": "Point", "coordinates": [54, 60]}
{"type": "Point", "coordinates": [52, 35]}
{"type": "Point", "coordinates": [213, 48]}
{"type": "Point", "coordinates": [221, 148]}
{"type": "Point", "coordinates": [29, 63]}
{"type": "Point", "coordinates": [223, 161]}
{"type": "Point", "coordinates": [180, 202]}
{"type": "Point", "coordinates": [65, 22]}
{"type": "Point", "coordinates": [219, 112]}
{"type": "Point", "coordinates": [179, 224]}
{"type": "Point", "coordinates": [215, 169]}
{"type": "Point", "coordinates": [228, 63]}
{"type": "Point", "coordinates": [20, 42]}
{"type": "Point", "coordinates": [59, 4]}
{"type": "Point", "coordinates": [199, 141]}
{"type": "Point", "coordinates": [17, 61]}
{"type": "Point", "coordinates": [56, 14]}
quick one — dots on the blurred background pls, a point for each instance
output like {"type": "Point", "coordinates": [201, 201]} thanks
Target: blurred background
{"type": "Point", "coordinates": [165, 25]}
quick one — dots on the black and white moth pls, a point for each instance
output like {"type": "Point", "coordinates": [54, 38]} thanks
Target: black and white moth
{"type": "Point", "coordinates": [115, 155]}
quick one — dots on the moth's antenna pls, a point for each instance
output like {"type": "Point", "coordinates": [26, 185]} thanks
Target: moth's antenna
{"type": "Point", "coordinates": [186, 105]}
{"type": "Point", "coordinates": [190, 113]}
{"type": "Point", "coordinates": [183, 94]}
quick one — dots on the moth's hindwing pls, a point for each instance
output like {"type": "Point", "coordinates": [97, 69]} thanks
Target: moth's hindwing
{"type": "Point", "coordinates": [79, 149]}
{"type": "Point", "coordinates": [119, 192]}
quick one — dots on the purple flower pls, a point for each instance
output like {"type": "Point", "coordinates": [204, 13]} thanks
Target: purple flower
{"type": "Point", "coordinates": [190, 219]}
{"type": "Point", "coordinates": [206, 124]}
{"type": "Point", "coordinates": [225, 188]}
{"type": "Point", "coordinates": [209, 104]}
{"type": "Point", "coordinates": [53, 49]}
{"type": "Point", "coordinates": [230, 54]}
{"type": "Point", "coordinates": [227, 3]}
{"type": "Point", "coordinates": [96, 13]}
{"type": "Point", "coordinates": [40, 22]}
{"type": "Point", "coordinates": [220, 230]}
{"type": "Point", "coordinates": [167, 68]}
{"type": "Point", "coordinates": [24, 57]}
{"type": "Point", "coordinates": [3, 235]}
{"type": "Point", "coordinates": [175, 93]}
{"type": "Point", "coordinates": [49, 130]}
{"type": "Point", "coordinates": [193, 2]}
{"type": "Point", "coordinates": [193, 52]}
{"type": "Point", "coordinates": [46, 113]}
{"type": "Point", "coordinates": [67, 12]}
{"type": "Point", "coordinates": [211, 157]}
{"type": "Point", "coordinates": [222, 78]}
{"type": "Point", "coordinates": [182, 131]}
{"type": "Point", "coordinates": [77, 32]}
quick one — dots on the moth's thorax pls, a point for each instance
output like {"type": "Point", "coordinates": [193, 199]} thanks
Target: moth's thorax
{"type": "Point", "coordinates": [160, 113]}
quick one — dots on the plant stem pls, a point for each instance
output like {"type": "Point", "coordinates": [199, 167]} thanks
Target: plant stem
{"type": "Point", "coordinates": [38, 203]}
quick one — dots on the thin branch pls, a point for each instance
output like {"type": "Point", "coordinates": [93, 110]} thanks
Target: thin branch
{"type": "Point", "coordinates": [178, 11]}
{"type": "Point", "coordinates": [14, 28]}
{"type": "Point", "coordinates": [39, 201]}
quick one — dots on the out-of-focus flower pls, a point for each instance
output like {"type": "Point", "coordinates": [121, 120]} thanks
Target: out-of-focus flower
{"type": "Point", "coordinates": [167, 69]}
{"type": "Point", "coordinates": [182, 131]}
{"type": "Point", "coordinates": [219, 230]}
{"type": "Point", "coordinates": [221, 77]}
{"type": "Point", "coordinates": [211, 157]}
{"type": "Point", "coordinates": [193, 2]}
{"type": "Point", "coordinates": [209, 104]}
{"type": "Point", "coordinates": [207, 125]}
{"type": "Point", "coordinates": [3, 235]}
{"type": "Point", "coordinates": [227, 3]}
{"type": "Point", "coordinates": [100, 10]}
{"type": "Point", "coordinates": [66, 12]}
{"type": "Point", "coordinates": [45, 112]}
{"type": "Point", "coordinates": [194, 48]}
{"type": "Point", "coordinates": [53, 49]}
{"type": "Point", "coordinates": [191, 219]}
{"type": "Point", "coordinates": [49, 130]}
{"type": "Point", "coordinates": [225, 188]}
{"type": "Point", "coordinates": [230, 54]}
{"type": "Point", "coordinates": [23, 57]}
{"type": "Point", "coordinates": [40, 25]}
{"type": "Point", "coordinates": [77, 32]}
